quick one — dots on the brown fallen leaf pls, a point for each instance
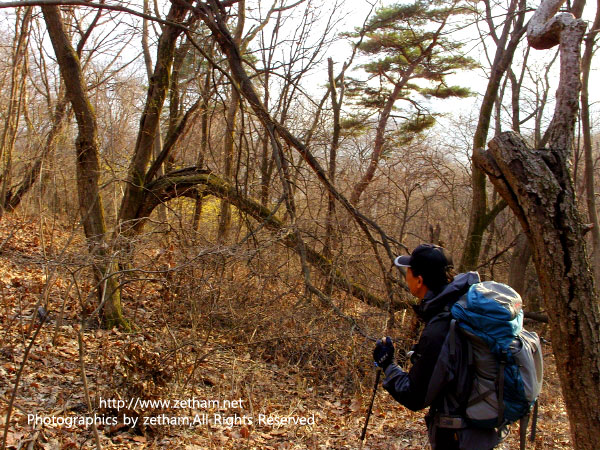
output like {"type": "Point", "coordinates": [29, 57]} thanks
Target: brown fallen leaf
{"type": "Point", "coordinates": [356, 405]}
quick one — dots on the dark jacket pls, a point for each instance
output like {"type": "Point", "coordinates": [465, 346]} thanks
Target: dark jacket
{"type": "Point", "coordinates": [430, 380]}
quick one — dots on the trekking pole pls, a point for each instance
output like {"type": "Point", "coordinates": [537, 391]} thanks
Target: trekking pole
{"type": "Point", "coordinates": [364, 430]}
{"type": "Point", "coordinates": [534, 421]}
{"type": "Point", "coordinates": [523, 422]}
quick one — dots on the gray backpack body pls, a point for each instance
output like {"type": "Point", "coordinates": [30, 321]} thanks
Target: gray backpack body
{"type": "Point", "coordinates": [505, 362]}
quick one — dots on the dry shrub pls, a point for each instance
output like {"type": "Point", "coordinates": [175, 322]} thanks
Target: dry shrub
{"type": "Point", "coordinates": [255, 302]}
{"type": "Point", "coordinates": [137, 372]}
{"type": "Point", "coordinates": [249, 301]}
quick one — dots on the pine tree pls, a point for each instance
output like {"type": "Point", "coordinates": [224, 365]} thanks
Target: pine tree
{"type": "Point", "coordinates": [410, 55]}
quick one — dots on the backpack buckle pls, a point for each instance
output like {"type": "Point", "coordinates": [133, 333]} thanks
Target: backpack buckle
{"type": "Point", "coordinates": [453, 422]}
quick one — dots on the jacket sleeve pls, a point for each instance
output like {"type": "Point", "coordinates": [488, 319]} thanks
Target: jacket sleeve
{"type": "Point", "coordinates": [413, 389]}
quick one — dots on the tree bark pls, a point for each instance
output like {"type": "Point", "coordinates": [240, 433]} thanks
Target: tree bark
{"type": "Point", "coordinates": [538, 186]}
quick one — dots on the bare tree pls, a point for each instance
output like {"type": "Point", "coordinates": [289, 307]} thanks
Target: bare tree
{"type": "Point", "coordinates": [16, 101]}
{"type": "Point", "coordinates": [88, 168]}
{"type": "Point", "coordinates": [150, 121]}
{"type": "Point", "coordinates": [586, 63]}
{"type": "Point", "coordinates": [506, 44]}
{"type": "Point", "coordinates": [407, 51]}
{"type": "Point", "coordinates": [230, 127]}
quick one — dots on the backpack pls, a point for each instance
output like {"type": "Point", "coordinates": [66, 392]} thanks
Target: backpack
{"type": "Point", "coordinates": [504, 362]}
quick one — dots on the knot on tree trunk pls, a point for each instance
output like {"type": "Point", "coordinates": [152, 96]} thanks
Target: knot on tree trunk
{"type": "Point", "coordinates": [545, 29]}
{"type": "Point", "coordinates": [546, 35]}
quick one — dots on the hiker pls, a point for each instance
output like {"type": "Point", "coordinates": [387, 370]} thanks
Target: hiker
{"type": "Point", "coordinates": [430, 278]}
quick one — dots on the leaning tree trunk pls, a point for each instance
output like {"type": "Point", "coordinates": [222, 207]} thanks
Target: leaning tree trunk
{"type": "Point", "coordinates": [538, 186]}
{"type": "Point", "coordinates": [193, 182]}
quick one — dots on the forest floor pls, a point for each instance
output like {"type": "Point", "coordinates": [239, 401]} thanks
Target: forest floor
{"type": "Point", "coordinates": [222, 394]}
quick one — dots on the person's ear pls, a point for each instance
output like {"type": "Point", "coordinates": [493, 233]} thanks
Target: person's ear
{"type": "Point", "coordinates": [419, 279]}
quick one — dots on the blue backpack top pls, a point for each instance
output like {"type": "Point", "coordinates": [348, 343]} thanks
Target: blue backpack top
{"type": "Point", "coordinates": [505, 361]}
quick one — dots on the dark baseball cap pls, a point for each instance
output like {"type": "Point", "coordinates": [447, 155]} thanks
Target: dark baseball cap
{"type": "Point", "coordinates": [425, 258]}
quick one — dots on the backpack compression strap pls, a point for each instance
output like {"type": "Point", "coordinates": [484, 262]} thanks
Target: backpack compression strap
{"type": "Point", "coordinates": [500, 388]}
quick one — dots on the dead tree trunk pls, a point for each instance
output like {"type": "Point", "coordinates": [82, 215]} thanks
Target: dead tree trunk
{"type": "Point", "coordinates": [538, 186]}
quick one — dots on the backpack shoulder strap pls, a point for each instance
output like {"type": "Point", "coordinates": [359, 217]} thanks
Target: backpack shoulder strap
{"type": "Point", "coordinates": [461, 354]}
